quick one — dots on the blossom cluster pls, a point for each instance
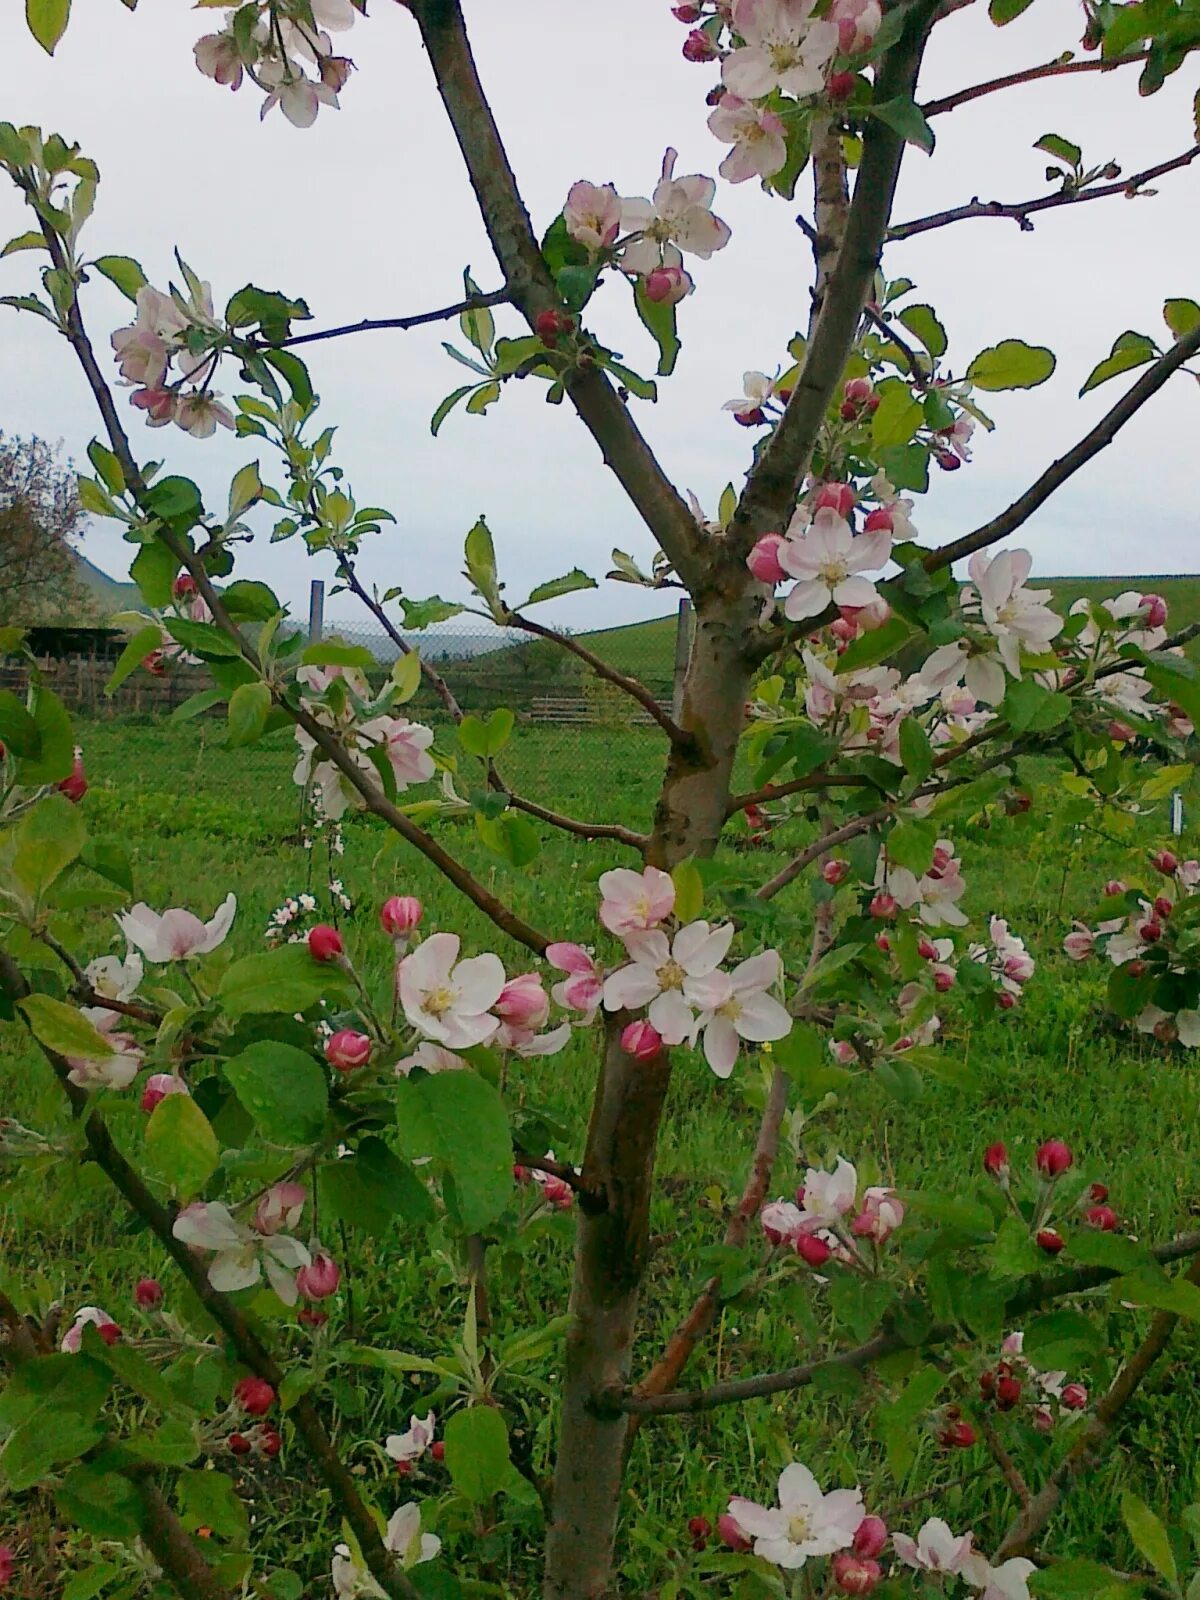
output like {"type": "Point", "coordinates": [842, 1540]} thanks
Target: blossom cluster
{"type": "Point", "coordinates": [168, 356]}
{"type": "Point", "coordinates": [286, 51]}
{"type": "Point", "coordinates": [829, 1219]}
{"type": "Point", "coordinates": [341, 699]}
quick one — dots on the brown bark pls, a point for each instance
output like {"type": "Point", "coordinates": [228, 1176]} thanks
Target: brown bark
{"type": "Point", "coordinates": [610, 1258]}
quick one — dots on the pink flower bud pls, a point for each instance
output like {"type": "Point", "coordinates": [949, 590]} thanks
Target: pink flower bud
{"type": "Point", "coordinates": [523, 1002]}
{"type": "Point", "coordinates": [310, 1317]}
{"type": "Point", "coordinates": [880, 520]}
{"type": "Point", "coordinates": [958, 1435]}
{"type": "Point", "coordinates": [944, 979]}
{"type": "Point", "coordinates": [843, 1051]}
{"type": "Point", "coordinates": [858, 390]}
{"type": "Point", "coordinates": [883, 906]}
{"type": "Point", "coordinates": [75, 784]}
{"type": "Point", "coordinates": [1163, 907]}
{"type": "Point", "coordinates": [699, 47]}
{"type": "Point", "coordinates": [837, 497]}
{"type": "Point", "coordinates": [844, 629]}
{"type": "Point", "coordinates": [1150, 931]}
{"type": "Point", "coordinates": [855, 1574]}
{"type": "Point", "coordinates": [345, 1050]}
{"type": "Point", "coordinates": [148, 1294]}
{"type": "Point", "coordinates": [763, 560]}
{"type": "Point", "coordinates": [238, 1444]}
{"type": "Point", "coordinates": [1115, 886]}
{"type": "Point", "coordinates": [438, 1450]}
{"type": "Point", "coordinates": [926, 948]}
{"type": "Point", "coordinates": [1008, 1391]}
{"type": "Point", "coordinates": [1053, 1158]}
{"type": "Point", "coordinates": [320, 1278]}
{"type": "Point", "coordinates": [750, 419]}
{"type": "Point", "coordinates": [841, 86]}
{"type": "Point", "coordinates": [641, 1040]}
{"type": "Point", "coordinates": [947, 460]}
{"type": "Point", "coordinates": [995, 1160]}
{"type": "Point", "coordinates": [1074, 1396]}
{"type": "Point", "coordinates": [184, 587]}
{"type": "Point", "coordinates": [557, 1192]}
{"type": "Point", "coordinates": [1098, 1193]}
{"type": "Point", "coordinates": [1080, 944]}
{"type": "Point", "coordinates": [668, 285]}
{"type": "Point", "coordinates": [1120, 731]}
{"type": "Point", "coordinates": [729, 1531]}
{"type": "Point", "coordinates": [699, 1529]}
{"type": "Point", "coordinates": [882, 942]}
{"type": "Point", "coordinates": [1005, 1000]}
{"type": "Point", "coordinates": [269, 1442]}
{"type": "Point", "coordinates": [325, 943]}
{"type": "Point", "coordinates": [1043, 1420]}
{"type": "Point", "coordinates": [1102, 1218]}
{"type": "Point", "coordinates": [812, 1249]}
{"type": "Point", "coordinates": [870, 1537]}
{"type": "Point", "coordinates": [835, 871]}
{"type": "Point", "coordinates": [401, 914]}
{"type": "Point", "coordinates": [254, 1395]}
{"type": "Point", "coordinates": [1155, 608]}
{"type": "Point", "coordinates": [1051, 1241]}
{"type": "Point", "coordinates": [158, 1087]}
{"type": "Point", "coordinates": [1166, 862]}
{"type": "Point", "coordinates": [686, 13]}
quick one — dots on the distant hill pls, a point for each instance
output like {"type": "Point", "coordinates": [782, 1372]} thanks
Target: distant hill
{"type": "Point", "coordinates": [109, 594]}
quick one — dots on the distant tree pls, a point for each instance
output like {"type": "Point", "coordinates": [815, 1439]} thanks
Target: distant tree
{"type": "Point", "coordinates": [40, 518]}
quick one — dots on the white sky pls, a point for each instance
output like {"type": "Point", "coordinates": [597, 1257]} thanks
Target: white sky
{"type": "Point", "coordinates": [368, 214]}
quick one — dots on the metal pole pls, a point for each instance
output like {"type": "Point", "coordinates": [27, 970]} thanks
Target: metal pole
{"type": "Point", "coordinates": [1176, 813]}
{"type": "Point", "coordinates": [683, 646]}
{"type": "Point", "coordinates": [316, 611]}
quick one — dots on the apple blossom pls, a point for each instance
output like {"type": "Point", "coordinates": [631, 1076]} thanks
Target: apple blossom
{"type": "Point", "coordinates": [672, 977]}
{"type": "Point", "coordinates": [763, 559]}
{"type": "Point", "coordinates": [583, 987]}
{"type": "Point", "coordinates": [806, 1522]}
{"type": "Point", "coordinates": [1080, 943]}
{"type": "Point", "coordinates": [641, 1040]}
{"type": "Point", "coordinates": [1074, 1396]}
{"type": "Point", "coordinates": [1053, 1158]}
{"type": "Point", "coordinates": [698, 47]}
{"type": "Point", "coordinates": [881, 1214]}
{"type": "Point", "coordinates": [593, 215]}
{"type": "Point", "coordinates": [411, 1446]}
{"type": "Point", "coordinates": [781, 1221]}
{"type": "Point", "coordinates": [175, 935]}
{"type": "Point", "coordinates": [731, 1534]}
{"type": "Point", "coordinates": [678, 218]}
{"type": "Point", "coordinates": [757, 391]}
{"type": "Point", "coordinates": [829, 1196]}
{"type": "Point", "coordinates": [828, 561]}
{"type": "Point", "coordinates": [320, 1278]}
{"type": "Point", "coordinates": [1016, 616]}
{"type": "Point", "coordinates": [430, 1057]}
{"type": "Point", "coordinates": [745, 1011]}
{"type": "Point", "coordinates": [858, 21]}
{"type": "Point", "coordinates": [634, 901]}
{"type": "Point", "coordinates": [199, 411]}
{"type": "Point", "coordinates": [346, 1049]}
{"type": "Point", "coordinates": [668, 285]}
{"type": "Point", "coordinates": [756, 134]}
{"type": "Point", "coordinates": [448, 1000]}
{"type": "Point", "coordinates": [241, 1254]}
{"type": "Point", "coordinates": [935, 1549]}
{"type": "Point", "coordinates": [159, 1086]}
{"type": "Point", "coordinates": [855, 1574]}
{"type": "Point", "coordinates": [89, 1316]}
{"type": "Point", "coordinates": [401, 914]}
{"type": "Point", "coordinates": [1008, 1581]}
{"type": "Point", "coordinates": [783, 48]}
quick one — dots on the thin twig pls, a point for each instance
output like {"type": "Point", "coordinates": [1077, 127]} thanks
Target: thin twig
{"type": "Point", "coordinates": [913, 361]}
{"type": "Point", "coordinates": [1008, 1467]}
{"type": "Point", "coordinates": [1020, 211]}
{"type": "Point", "coordinates": [1052, 69]}
{"type": "Point", "coordinates": [473, 302]}
{"type": "Point", "coordinates": [793, 869]}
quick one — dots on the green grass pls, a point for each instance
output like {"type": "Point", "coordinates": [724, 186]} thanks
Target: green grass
{"type": "Point", "coordinates": [196, 826]}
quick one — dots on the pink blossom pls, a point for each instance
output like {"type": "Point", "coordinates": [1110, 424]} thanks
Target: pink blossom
{"type": "Point", "coordinates": [634, 901]}
{"type": "Point", "coordinates": [158, 404]}
{"type": "Point", "coordinates": [756, 134]}
{"type": "Point", "coordinates": [279, 1209]}
{"type": "Point", "coordinates": [523, 1002]}
{"type": "Point", "coordinates": [757, 391]}
{"type": "Point", "coordinates": [744, 1010]}
{"type": "Point", "coordinates": [935, 1548]}
{"type": "Point", "coordinates": [1016, 616]}
{"type": "Point", "coordinates": [448, 1000]}
{"type": "Point", "coordinates": [881, 1214]}
{"type": "Point", "coordinates": [829, 1196]}
{"type": "Point", "coordinates": [158, 1087]}
{"type": "Point", "coordinates": [430, 1057]}
{"type": "Point", "coordinates": [781, 1221]}
{"type": "Point", "coordinates": [141, 355]}
{"type": "Point", "coordinates": [241, 1254]}
{"type": "Point", "coordinates": [763, 559]}
{"type": "Point", "coordinates": [678, 218]}
{"type": "Point", "coordinates": [298, 97]}
{"type": "Point", "coordinates": [783, 48]}
{"type": "Point", "coordinates": [411, 1446]}
{"type": "Point", "coordinates": [858, 21]}
{"type": "Point", "coordinates": [199, 411]}
{"type": "Point", "coordinates": [406, 745]}
{"type": "Point", "coordinates": [176, 935]}
{"type": "Point", "coordinates": [88, 1316]}
{"type": "Point", "coordinates": [584, 986]}
{"type": "Point", "coordinates": [827, 559]}
{"type": "Point", "coordinates": [672, 977]}
{"type": "Point", "coordinates": [218, 58]}
{"type": "Point", "coordinates": [806, 1522]}
{"type": "Point", "coordinates": [593, 214]}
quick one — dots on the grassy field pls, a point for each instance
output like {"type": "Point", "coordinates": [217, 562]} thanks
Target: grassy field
{"type": "Point", "coordinates": [196, 827]}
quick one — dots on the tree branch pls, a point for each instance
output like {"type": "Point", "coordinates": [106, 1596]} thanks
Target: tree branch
{"type": "Point", "coordinates": [532, 289]}
{"type": "Point", "coordinates": [473, 302]}
{"type": "Point", "coordinates": [1094, 1432]}
{"type": "Point", "coordinates": [1039, 1292]}
{"type": "Point", "coordinates": [848, 830]}
{"type": "Point", "coordinates": [1020, 211]}
{"type": "Point", "coordinates": [774, 481]}
{"type": "Point", "coordinates": [242, 1335]}
{"type": "Point", "coordinates": [1058, 472]}
{"type": "Point", "coordinates": [1052, 69]}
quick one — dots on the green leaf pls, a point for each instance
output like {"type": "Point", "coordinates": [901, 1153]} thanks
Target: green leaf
{"type": "Point", "coordinates": [447, 406]}
{"type": "Point", "coordinates": [128, 276]}
{"type": "Point", "coordinates": [56, 741]}
{"type": "Point", "coordinates": [898, 417]}
{"type": "Point", "coordinates": [923, 322]}
{"type": "Point", "coordinates": [1002, 11]}
{"type": "Point", "coordinates": [1129, 350]}
{"type": "Point", "coordinates": [203, 639]}
{"type": "Point", "coordinates": [486, 739]}
{"type": "Point", "coordinates": [336, 653]}
{"type": "Point", "coordinates": [575, 579]}
{"type": "Point", "coordinates": [911, 845]}
{"type": "Point", "coordinates": [477, 1452]}
{"type": "Point", "coordinates": [249, 705]}
{"type": "Point", "coordinates": [1014, 1254]}
{"type": "Point", "coordinates": [108, 467]}
{"type": "Point", "coordinates": [23, 241]}
{"type": "Point", "coordinates": [577, 284]}
{"type": "Point", "coordinates": [1181, 316]}
{"type": "Point", "coordinates": [689, 890]}
{"type": "Point", "coordinates": [48, 839]}
{"type": "Point", "coordinates": [460, 1120]}
{"type": "Point", "coordinates": [294, 373]}
{"type": "Point", "coordinates": [135, 652]}
{"type": "Point", "coordinates": [875, 646]}
{"type": "Point", "coordinates": [371, 1188]}
{"type": "Point", "coordinates": [110, 860]}
{"type": "Point", "coordinates": [905, 117]}
{"type": "Point", "coordinates": [481, 565]}
{"type": "Point", "coordinates": [47, 21]}
{"type": "Point", "coordinates": [86, 1585]}
{"type": "Point", "coordinates": [1078, 1578]}
{"type": "Point", "coordinates": [1011, 364]}
{"type": "Point", "coordinates": [658, 318]}
{"type": "Point", "coordinates": [104, 1504]}
{"type": "Point", "coordinates": [1149, 1535]}
{"type": "Point", "coordinates": [209, 1500]}
{"type": "Point", "coordinates": [510, 835]}
{"type": "Point", "coordinates": [247, 601]}
{"type": "Point", "coordinates": [1112, 1250]}
{"type": "Point", "coordinates": [195, 704]}
{"type": "Point", "coordinates": [1032, 709]}
{"type": "Point", "coordinates": [283, 1089]}
{"type": "Point", "coordinates": [916, 752]}
{"type": "Point", "coordinates": [153, 570]}
{"type": "Point", "coordinates": [286, 979]}
{"type": "Point", "coordinates": [897, 1423]}
{"type": "Point", "coordinates": [175, 499]}
{"type": "Point", "coordinates": [18, 730]}
{"type": "Point", "coordinates": [1153, 1288]}
{"type": "Point", "coordinates": [1061, 149]}
{"type": "Point", "coordinates": [830, 963]}
{"type": "Point", "coordinates": [63, 1029]}
{"type": "Point", "coordinates": [49, 1408]}
{"type": "Point", "coordinates": [181, 1147]}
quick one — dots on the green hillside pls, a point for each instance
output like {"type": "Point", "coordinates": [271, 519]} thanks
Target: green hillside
{"type": "Point", "coordinates": [647, 649]}
{"type": "Point", "coordinates": [108, 593]}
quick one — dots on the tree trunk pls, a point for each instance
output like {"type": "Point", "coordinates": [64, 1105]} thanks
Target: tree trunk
{"type": "Point", "coordinates": [619, 1162]}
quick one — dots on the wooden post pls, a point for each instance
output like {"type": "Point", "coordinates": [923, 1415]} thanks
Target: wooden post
{"type": "Point", "coordinates": [316, 611]}
{"type": "Point", "coordinates": [683, 646]}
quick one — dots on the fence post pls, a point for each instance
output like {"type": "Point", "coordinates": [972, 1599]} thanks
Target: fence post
{"type": "Point", "coordinates": [316, 611]}
{"type": "Point", "coordinates": [683, 646]}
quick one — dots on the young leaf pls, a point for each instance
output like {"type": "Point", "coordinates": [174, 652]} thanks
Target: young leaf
{"type": "Point", "coordinates": [923, 322]}
{"type": "Point", "coordinates": [1061, 149]}
{"type": "Point", "coordinates": [1011, 364]}
{"type": "Point", "coordinates": [1129, 350]}
{"type": "Point", "coordinates": [1149, 1535]}
{"type": "Point", "coordinates": [689, 890]}
{"type": "Point", "coordinates": [181, 1146]}
{"type": "Point", "coordinates": [125, 272]}
{"type": "Point", "coordinates": [64, 1029]}
{"type": "Point", "coordinates": [477, 1452]}
{"type": "Point", "coordinates": [658, 318]}
{"type": "Point", "coordinates": [47, 21]}
{"type": "Point", "coordinates": [249, 705]}
{"type": "Point", "coordinates": [905, 117]}
{"type": "Point", "coordinates": [1181, 316]}
{"type": "Point", "coordinates": [575, 579]}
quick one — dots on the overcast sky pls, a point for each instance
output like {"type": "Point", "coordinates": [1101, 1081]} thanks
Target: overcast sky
{"type": "Point", "coordinates": [368, 214]}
